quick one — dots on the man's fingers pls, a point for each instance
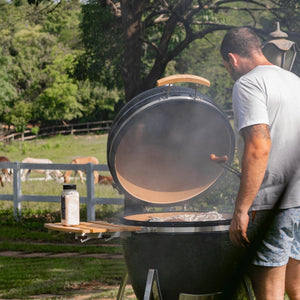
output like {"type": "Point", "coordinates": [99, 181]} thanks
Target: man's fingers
{"type": "Point", "coordinates": [239, 239]}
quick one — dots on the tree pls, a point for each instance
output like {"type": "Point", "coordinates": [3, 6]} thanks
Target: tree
{"type": "Point", "coordinates": [38, 56]}
{"type": "Point", "coordinates": [155, 32]}
{"type": "Point", "coordinates": [59, 100]}
{"type": "Point", "coordinates": [101, 36]}
{"type": "Point", "coordinates": [18, 115]}
{"type": "Point", "coordinates": [8, 93]}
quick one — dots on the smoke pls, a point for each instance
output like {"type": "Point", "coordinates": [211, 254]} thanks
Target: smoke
{"type": "Point", "coordinates": [164, 153]}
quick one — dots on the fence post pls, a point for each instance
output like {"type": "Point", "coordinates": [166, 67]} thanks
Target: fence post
{"type": "Point", "coordinates": [17, 191]}
{"type": "Point", "coordinates": [90, 188]}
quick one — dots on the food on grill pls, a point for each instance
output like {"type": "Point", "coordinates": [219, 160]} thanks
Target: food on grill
{"type": "Point", "coordinates": [202, 216]}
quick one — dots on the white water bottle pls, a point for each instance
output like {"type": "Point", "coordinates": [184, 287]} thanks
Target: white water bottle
{"type": "Point", "coordinates": [70, 208]}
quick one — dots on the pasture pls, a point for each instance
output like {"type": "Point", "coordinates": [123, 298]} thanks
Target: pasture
{"type": "Point", "coordinates": [22, 278]}
{"type": "Point", "coordinates": [60, 278]}
{"type": "Point", "coordinates": [59, 149]}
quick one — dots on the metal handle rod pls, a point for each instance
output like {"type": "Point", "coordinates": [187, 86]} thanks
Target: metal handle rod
{"type": "Point", "coordinates": [231, 169]}
{"type": "Point", "coordinates": [222, 160]}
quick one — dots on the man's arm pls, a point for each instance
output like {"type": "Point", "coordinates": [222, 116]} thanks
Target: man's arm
{"type": "Point", "coordinates": [257, 144]}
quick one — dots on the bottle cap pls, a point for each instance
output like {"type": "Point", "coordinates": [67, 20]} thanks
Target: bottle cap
{"type": "Point", "coordinates": [69, 187]}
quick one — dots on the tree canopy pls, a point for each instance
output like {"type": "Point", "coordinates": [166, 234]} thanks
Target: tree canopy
{"type": "Point", "coordinates": [157, 32]}
{"type": "Point", "coordinates": [70, 60]}
{"type": "Point", "coordinates": [40, 44]}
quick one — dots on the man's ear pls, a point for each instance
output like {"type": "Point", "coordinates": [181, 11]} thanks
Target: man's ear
{"type": "Point", "coordinates": [233, 58]}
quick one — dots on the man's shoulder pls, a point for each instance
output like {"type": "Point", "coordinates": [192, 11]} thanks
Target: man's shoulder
{"type": "Point", "coordinates": [267, 75]}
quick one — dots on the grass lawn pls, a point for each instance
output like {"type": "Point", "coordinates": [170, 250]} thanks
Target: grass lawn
{"type": "Point", "coordinates": [64, 277]}
{"type": "Point", "coordinates": [22, 278]}
{"type": "Point", "coordinates": [59, 149]}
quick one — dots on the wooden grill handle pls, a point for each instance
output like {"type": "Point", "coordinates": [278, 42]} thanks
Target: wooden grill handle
{"type": "Point", "coordinates": [183, 78]}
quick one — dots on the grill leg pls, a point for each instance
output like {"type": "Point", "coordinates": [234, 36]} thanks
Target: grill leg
{"type": "Point", "coordinates": [152, 286]}
{"type": "Point", "coordinates": [122, 286]}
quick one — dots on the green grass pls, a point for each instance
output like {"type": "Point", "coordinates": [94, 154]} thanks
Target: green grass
{"type": "Point", "coordinates": [59, 248]}
{"type": "Point", "coordinates": [21, 278]}
{"type": "Point", "coordinates": [59, 149]}
{"type": "Point", "coordinates": [57, 276]}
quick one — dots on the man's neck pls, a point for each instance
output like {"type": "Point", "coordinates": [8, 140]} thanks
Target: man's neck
{"type": "Point", "coordinates": [248, 64]}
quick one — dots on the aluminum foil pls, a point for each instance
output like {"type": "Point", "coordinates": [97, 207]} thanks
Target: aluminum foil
{"type": "Point", "coordinates": [196, 217]}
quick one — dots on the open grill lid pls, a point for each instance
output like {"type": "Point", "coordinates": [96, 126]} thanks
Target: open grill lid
{"type": "Point", "coordinates": [160, 143]}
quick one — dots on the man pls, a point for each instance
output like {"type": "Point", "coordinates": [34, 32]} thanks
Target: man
{"type": "Point", "coordinates": [266, 106]}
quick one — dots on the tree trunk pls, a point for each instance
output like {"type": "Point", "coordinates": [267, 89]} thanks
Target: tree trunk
{"type": "Point", "coordinates": [132, 29]}
{"type": "Point", "coordinates": [133, 39]}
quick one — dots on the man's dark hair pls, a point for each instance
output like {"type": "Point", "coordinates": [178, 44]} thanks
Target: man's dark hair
{"type": "Point", "coordinates": [242, 41]}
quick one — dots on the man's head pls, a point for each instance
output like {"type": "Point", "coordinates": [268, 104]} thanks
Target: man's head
{"type": "Point", "coordinates": [241, 51]}
{"type": "Point", "coordinates": [242, 41]}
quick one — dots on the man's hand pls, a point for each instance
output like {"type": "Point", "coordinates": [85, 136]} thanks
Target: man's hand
{"type": "Point", "coordinates": [238, 229]}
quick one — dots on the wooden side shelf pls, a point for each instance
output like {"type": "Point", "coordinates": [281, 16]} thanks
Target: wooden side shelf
{"type": "Point", "coordinates": [92, 227]}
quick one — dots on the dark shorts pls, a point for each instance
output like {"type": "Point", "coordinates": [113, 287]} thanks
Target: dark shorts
{"type": "Point", "coordinates": [282, 240]}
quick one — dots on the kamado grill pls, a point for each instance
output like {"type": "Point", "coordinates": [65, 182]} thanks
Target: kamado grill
{"type": "Point", "coordinates": [159, 154]}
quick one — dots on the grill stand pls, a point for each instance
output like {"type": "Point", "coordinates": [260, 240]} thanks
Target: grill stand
{"type": "Point", "coordinates": [152, 286]}
{"type": "Point", "coordinates": [152, 289]}
{"type": "Point", "coordinates": [122, 286]}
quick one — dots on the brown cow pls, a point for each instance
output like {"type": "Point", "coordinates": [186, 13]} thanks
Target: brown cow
{"type": "Point", "coordinates": [81, 160]}
{"type": "Point", "coordinates": [105, 179]}
{"type": "Point", "coordinates": [5, 172]}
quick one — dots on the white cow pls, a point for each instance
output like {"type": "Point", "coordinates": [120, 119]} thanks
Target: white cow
{"type": "Point", "coordinates": [55, 174]}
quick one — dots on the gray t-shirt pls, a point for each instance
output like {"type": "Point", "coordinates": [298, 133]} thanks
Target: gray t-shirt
{"type": "Point", "coordinates": [271, 95]}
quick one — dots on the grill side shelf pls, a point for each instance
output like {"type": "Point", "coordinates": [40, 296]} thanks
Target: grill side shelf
{"type": "Point", "coordinates": [91, 227]}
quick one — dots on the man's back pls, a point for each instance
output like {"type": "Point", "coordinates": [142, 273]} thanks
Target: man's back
{"type": "Point", "coordinates": [270, 95]}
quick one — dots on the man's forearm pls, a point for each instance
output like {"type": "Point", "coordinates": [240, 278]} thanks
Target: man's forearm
{"type": "Point", "coordinates": [254, 163]}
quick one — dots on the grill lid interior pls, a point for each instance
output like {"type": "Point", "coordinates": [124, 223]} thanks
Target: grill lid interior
{"type": "Point", "coordinates": [162, 151]}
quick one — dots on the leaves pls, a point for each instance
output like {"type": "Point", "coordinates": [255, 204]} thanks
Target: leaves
{"type": "Point", "coordinates": [68, 60]}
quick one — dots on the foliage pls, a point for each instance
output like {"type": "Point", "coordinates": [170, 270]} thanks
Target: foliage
{"type": "Point", "coordinates": [40, 45]}
{"type": "Point", "coordinates": [156, 32]}
{"type": "Point", "coordinates": [19, 115]}
{"type": "Point", "coordinates": [58, 101]}
{"type": "Point", "coordinates": [200, 59]}
{"type": "Point", "coordinates": [101, 37]}
{"type": "Point", "coordinates": [72, 60]}
{"type": "Point", "coordinates": [8, 92]}
{"type": "Point", "coordinates": [97, 101]}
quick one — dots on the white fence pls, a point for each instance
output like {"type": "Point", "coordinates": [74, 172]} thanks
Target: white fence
{"type": "Point", "coordinates": [17, 197]}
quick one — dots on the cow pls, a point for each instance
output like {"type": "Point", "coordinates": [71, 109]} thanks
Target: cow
{"type": "Point", "coordinates": [81, 160]}
{"type": "Point", "coordinates": [55, 174]}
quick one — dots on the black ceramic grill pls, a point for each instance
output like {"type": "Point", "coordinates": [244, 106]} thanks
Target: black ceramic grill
{"type": "Point", "coordinates": [159, 152]}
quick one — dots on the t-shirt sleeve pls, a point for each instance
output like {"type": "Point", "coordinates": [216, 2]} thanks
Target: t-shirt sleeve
{"type": "Point", "coordinates": [249, 104]}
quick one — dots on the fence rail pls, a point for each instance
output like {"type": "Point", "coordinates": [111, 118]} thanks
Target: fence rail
{"type": "Point", "coordinates": [59, 129]}
{"type": "Point", "coordinates": [17, 197]}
